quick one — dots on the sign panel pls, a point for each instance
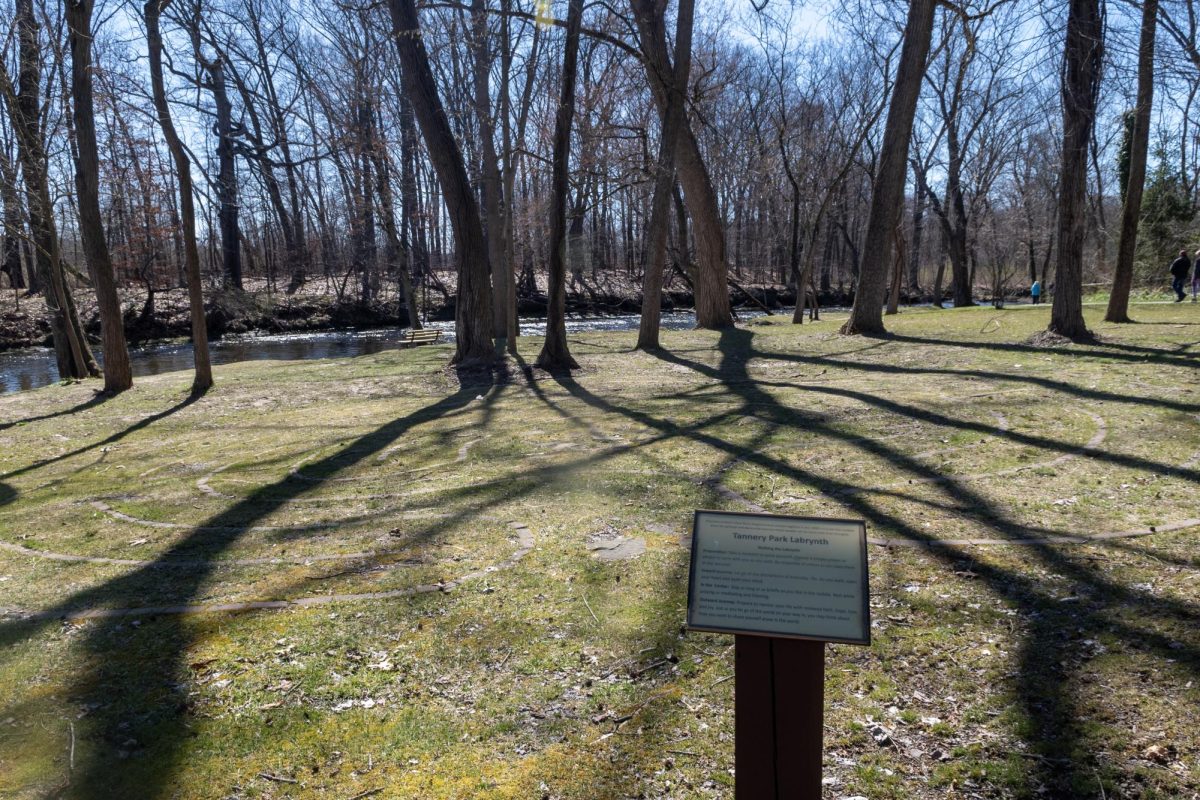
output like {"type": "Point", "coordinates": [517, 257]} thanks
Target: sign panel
{"type": "Point", "coordinates": [767, 575]}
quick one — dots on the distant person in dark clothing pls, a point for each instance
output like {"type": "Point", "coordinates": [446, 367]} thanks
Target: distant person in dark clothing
{"type": "Point", "coordinates": [1180, 269]}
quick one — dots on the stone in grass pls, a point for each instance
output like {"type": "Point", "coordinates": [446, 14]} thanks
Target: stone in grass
{"type": "Point", "coordinates": [608, 545]}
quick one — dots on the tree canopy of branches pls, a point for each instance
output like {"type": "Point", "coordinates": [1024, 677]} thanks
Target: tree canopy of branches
{"type": "Point", "coordinates": [408, 158]}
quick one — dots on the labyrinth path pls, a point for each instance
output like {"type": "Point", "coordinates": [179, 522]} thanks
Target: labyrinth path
{"type": "Point", "coordinates": [406, 519]}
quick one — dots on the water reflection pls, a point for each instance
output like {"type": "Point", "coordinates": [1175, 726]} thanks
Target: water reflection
{"type": "Point", "coordinates": [33, 368]}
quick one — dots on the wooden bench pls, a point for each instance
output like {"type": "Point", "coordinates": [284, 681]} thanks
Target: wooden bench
{"type": "Point", "coordinates": [415, 338]}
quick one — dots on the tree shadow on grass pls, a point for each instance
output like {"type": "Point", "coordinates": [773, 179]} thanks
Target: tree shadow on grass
{"type": "Point", "coordinates": [133, 690]}
{"type": "Point", "coordinates": [116, 437]}
{"type": "Point", "coordinates": [838, 361]}
{"type": "Point", "coordinates": [98, 398]}
{"type": "Point", "coordinates": [1097, 348]}
{"type": "Point", "coordinates": [1046, 686]}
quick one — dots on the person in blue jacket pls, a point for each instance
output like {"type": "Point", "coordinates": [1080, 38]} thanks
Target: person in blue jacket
{"type": "Point", "coordinates": [1036, 292]}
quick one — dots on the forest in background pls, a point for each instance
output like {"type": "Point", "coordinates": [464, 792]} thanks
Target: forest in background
{"type": "Point", "coordinates": [311, 169]}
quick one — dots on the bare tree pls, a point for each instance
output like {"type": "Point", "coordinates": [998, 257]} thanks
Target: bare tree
{"type": "Point", "coordinates": [650, 17]}
{"type": "Point", "coordinates": [117, 374]}
{"type": "Point", "coordinates": [556, 355]}
{"type": "Point", "coordinates": [473, 312]}
{"type": "Point", "coordinates": [711, 285]}
{"type": "Point", "coordinates": [1080, 88]}
{"type": "Point", "coordinates": [1139, 141]}
{"type": "Point", "coordinates": [887, 198]}
{"type": "Point", "coordinates": [203, 379]}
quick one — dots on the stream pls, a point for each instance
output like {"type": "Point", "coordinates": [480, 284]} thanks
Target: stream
{"type": "Point", "coordinates": [34, 367]}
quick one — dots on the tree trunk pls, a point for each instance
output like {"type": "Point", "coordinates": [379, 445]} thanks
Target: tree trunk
{"type": "Point", "coordinates": [492, 185]}
{"type": "Point", "coordinates": [712, 288]}
{"type": "Point", "coordinates": [650, 20]}
{"type": "Point", "coordinates": [893, 306]}
{"type": "Point", "coordinates": [555, 355]}
{"type": "Point", "coordinates": [1080, 88]}
{"type": "Point", "coordinates": [13, 227]}
{"type": "Point", "coordinates": [887, 196]}
{"type": "Point", "coordinates": [397, 255]}
{"type": "Point", "coordinates": [1118, 301]}
{"type": "Point", "coordinates": [918, 230]}
{"type": "Point", "coordinates": [71, 351]}
{"type": "Point", "coordinates": [227, 187]}
{"type": "Point", "coordinates": [473, 309]}
{"type": "Point", "coordinates": [203, 379]}
{"type": "Point", "coordinates": [410, 204]}
{"type": "Point", "coordinates": [117, 374]}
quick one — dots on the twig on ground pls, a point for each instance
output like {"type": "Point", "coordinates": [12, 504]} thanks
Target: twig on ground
{"type": "Point", "coordinates": [277, 778]}
{"type": "Point", "coordinates": [367, 793]}
{"type": "Point", "coordinates": [589, 608]}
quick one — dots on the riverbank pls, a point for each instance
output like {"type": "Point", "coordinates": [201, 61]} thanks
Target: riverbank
{"type": "Point", "coordinates": [24, 321]}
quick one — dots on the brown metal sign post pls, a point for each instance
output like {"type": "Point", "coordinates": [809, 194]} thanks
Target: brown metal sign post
{"type": "Point", "coordinates": [779, 702]}
{"type": "Point", "coordinates": [784, 586]}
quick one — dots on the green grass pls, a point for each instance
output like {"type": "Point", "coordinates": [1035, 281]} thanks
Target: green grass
{"type": "Point", "coordinates": [999, 671]}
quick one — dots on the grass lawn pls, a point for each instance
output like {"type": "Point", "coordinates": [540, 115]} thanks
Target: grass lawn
{"type": "Point", "coordinates": [365, 578]}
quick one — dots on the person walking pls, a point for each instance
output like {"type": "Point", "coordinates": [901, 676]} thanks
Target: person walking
{"type": "Point", "coordinates": [1035, 292]}
{"type": "Point", "coordinates": [1180, 268]}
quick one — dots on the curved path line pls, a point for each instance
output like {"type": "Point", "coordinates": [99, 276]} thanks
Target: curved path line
{"type": "Point", "coordinates": [184, 563]}
{"type": "Point", "coordinates": [101, 506]}
{"type": "Point", "coordinates": [104, 507]}
{"type": "Point", "coordinates": [525, 544]}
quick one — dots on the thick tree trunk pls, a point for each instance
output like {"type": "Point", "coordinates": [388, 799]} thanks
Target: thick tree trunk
{"type": "Point", "coordinates": [1118, 301]}
{"type": "Point", "coordinates": [887, 196]}
{"type": "Point", "coordinates": [650, 20]}
{"type": "Point", "coordinates": [227, 187]}
{"type": "Point", "coordinates": [1080, 88]}
{"type": "Point", "coordinates": [960, 271]}
{"type": "Point", "coordinates": [556, 355]}
{"type": "Point", "coordinates": [13, 225]}
{"type": "Point", "coordinates": [203, 379]}
{"type": "Point", "coordinates": [712, 287]}
{"type": "Point", "coordinates": [473, 310]}
{"type": "Point", "coordinates": [117, 374]}
{"type": "Point", "coordinates": [492, 184]}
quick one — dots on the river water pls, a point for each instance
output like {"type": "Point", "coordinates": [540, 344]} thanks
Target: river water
{"type": "Point", "coordinates": [34, 367]}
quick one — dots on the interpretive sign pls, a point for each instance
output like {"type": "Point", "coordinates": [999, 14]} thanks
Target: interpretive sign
{"type": "Point", "coordinates": [767, 575]}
